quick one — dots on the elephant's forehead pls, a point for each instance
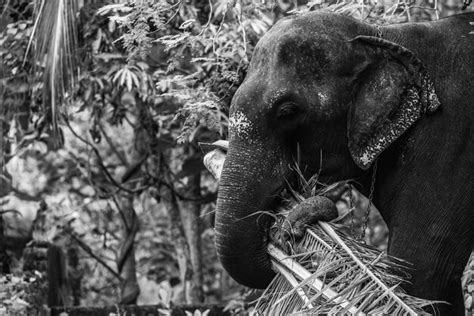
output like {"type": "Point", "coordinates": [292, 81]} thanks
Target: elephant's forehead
{"type": "Point", "coordinates": [304, 51]}
{"type": "Point", "coordinates": [296, 57]}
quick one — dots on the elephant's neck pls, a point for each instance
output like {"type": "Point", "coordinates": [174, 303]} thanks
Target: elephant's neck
{"type": "Point", "coordinates": [411, 36]}
{"type": "Point", "coordinates": [425, 175]}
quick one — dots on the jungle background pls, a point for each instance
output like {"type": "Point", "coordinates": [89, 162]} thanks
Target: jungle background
{"type": "Point", "coordinates": [103, 104]}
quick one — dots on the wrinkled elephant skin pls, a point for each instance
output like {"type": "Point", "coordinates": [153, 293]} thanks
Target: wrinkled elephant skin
{"type": "Point", "coordinates": [345, 96]}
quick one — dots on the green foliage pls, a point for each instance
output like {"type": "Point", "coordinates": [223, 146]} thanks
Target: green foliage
{"type": "Point", "coordinates": [14, 81]}
{"type": "Point", "coordinates": [56, 65]}
{"type": "Point", "coordinates": [22, 295]}
{"type": "Point", "coordinates": [200, 64]}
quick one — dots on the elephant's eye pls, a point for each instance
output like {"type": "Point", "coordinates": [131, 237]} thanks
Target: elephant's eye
{"type": "Point", "coordinates": [287, 110]}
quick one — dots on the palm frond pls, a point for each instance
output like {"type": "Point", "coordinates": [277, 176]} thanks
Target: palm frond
{"type": "Point", "coordinates": [329, 273]}
{"type": "Point", "coordinates": [54, 41]}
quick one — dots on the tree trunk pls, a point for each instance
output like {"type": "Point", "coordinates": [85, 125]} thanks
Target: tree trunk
{"type": "Point", "coordinates": [126, 262]}
{"type": "Point", "coordinates": [168, 197]}
{"type": "Point", "coordinates": [190, 215]}
{"type": "Point", "coordinates": [4, 266]}
{"type": "Point", "coordinates": [75, 273]}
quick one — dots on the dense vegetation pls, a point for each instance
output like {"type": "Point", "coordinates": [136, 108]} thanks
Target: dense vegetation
{"type": "Point", "coordinates": [103, 106]}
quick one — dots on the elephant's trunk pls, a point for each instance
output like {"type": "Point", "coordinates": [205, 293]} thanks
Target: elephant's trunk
{"type": "Point", "coordinates": [241, 226]}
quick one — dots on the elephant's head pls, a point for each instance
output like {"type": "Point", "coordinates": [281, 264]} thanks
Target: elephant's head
{"type": "Point", "coordinates": [318, 90]}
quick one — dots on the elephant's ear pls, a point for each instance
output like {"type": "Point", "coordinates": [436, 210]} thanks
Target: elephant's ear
{"type": "Point", "coordinates": [394, 91]}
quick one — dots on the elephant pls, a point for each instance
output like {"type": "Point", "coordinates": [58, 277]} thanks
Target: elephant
{"type": "Point", "coordinates": [389, 106]}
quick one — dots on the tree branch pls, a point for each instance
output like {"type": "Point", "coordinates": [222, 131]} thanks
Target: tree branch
{"type": "Point", "coordinates": [112, 146]}
{"type": "Point", "coordinates": [88, 249]}
{"type": "Point", "coordinates": [101, 162]}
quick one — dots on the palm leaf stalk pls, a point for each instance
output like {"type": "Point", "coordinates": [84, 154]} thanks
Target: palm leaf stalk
{"type": "Point", "coordinates": [54, 43]}
{"type": "Point", "coordinates": [328, 272]}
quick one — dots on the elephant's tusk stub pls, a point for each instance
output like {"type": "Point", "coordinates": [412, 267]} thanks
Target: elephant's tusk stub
{"type": "Point", "coordinates": [214, 162]}
{"type": "Point", "coordinates": [220, 144]}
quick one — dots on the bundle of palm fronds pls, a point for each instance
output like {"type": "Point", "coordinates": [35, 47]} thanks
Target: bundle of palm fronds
{"type": "Point", "coordinates": [330, 273]}
{"type": "Point", "coordinates": [327, 272]}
